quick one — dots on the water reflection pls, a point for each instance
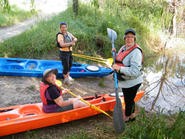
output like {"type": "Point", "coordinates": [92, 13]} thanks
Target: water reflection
{"type": "Point", "coordinates": [165, 85]}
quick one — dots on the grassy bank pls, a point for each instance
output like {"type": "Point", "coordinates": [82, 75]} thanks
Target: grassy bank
{"type": "Point", "coordinates": [90, 27]}
{"type": "Point", "coordinates": [146, 126]}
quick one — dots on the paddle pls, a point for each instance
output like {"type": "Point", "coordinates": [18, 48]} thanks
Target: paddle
{"type": "Point", "coordinates": [118, 121]}
{"type": "Point", "coordinates": [59, 83]}
{"type": "Point", "coordinates": [108, 61]}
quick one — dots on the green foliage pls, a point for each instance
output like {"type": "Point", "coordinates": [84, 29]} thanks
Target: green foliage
{"type": "Point", "coordinates": [32, 2]}
{"type": "Point", "coordinates": [79, 135]}
{"type": "Point", "coordinates": [101, 82]}
{"type": "Point", "coordinates": [14, 15]}
{"type": "Point", "coordinates": [177, 130]}
{"type": "Point", "coordinates": [95, 3]}
{"type": "Point", "coordinates": [5, 6]}
{"type": "Point", "coordinates": [148, 127]}
{"type": "Point", "coordinates": [147, 11]}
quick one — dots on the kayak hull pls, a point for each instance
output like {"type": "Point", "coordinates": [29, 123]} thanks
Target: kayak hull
{"type": "Point", "coordinates": [15, 119]}
{"type": "Point", "coordinates": [36, 67]}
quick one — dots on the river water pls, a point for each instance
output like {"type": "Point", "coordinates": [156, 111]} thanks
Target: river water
{"type": "Point", "coordinates": [165, 85]}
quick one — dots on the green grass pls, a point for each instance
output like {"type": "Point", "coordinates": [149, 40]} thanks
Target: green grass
{"type": "Point", "coordinates": [15, 15]}
{"type": "Point", "coordinates": [101, 82]}
{"type": "Point", "coordinates": [32, 88]}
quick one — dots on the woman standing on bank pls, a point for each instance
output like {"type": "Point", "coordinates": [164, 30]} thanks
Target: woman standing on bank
{"type": "Point", "coordinates": [65, 42]}
{"type": "Point", "coordinates": [128, 67]}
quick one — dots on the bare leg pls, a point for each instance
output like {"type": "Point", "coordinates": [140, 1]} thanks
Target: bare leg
{"type": "Point", "coordinates": [125, 118]}
{"type": "Point", "coordinates": [77, 103]}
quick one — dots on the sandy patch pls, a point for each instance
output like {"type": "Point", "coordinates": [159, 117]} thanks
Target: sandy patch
{"type": "Point", "coordinates": [24, 90]}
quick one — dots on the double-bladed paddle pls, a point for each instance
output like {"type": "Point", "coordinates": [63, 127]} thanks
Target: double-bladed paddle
{"type": "Point", "coordinates": [118, 121]}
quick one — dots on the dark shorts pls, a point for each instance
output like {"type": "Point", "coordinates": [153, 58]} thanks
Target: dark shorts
{"type": "Point", "coordinates": [65, 108]}
{"type": "Point", "coordinates": [67, 60]}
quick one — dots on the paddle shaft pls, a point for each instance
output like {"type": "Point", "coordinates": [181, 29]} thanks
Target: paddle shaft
{"type": "Point", "coordinates": [89, 57]}
{"type": "Point", "coordinates": [101, 60]}
{"type": "Point", "coordinates": [89, 104]}
{"type": "Point", "coordinates": [115, 74]}
{"type": "Point", "coordinates": [118, 112]}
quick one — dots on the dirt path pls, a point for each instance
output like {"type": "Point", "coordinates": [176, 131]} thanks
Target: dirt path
{"type": "Point", "coordinates": [8, 32]}
{"type": "Point", "coordinates": [46, 9]}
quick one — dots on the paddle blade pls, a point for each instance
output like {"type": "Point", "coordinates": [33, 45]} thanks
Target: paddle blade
{"type": "Point", "coordinates": [119, 124]}
{"type": "Point", "coordinates": [109, 62]}
{"type": "Point", "coordinates": [58, 83]}
{"type": "Point", "coordinates": [112, 34]}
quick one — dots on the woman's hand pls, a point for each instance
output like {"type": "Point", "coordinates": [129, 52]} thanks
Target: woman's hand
{"type": "Point", "coordinates": [113, 49]}
{"type": "Point", "coordinates": [72, 43]}
{"type": "Point", "coordinates": [79, 97]}
{"type": "Point", "coordinates": [75, 39]}
{"type": "Point", "coordinates": [116, 67]}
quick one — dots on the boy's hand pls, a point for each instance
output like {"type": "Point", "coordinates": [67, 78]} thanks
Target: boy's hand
{"type": "Point", "coordinates": [65, 91]}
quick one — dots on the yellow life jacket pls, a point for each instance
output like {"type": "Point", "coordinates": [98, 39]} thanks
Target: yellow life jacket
{"type": "Point", "coordinates": [67, 38]}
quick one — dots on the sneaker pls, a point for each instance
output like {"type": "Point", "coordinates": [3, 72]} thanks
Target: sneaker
{"type": "Point", "coordinates": [67, 81]}
{"type": "Point", "coordinates": [70, 78]}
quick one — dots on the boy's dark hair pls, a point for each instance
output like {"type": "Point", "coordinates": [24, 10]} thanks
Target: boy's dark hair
{"type": "Point", "coordinates": [63, 23]}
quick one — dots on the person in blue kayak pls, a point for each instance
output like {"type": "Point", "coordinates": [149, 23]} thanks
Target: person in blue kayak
{"type": "Point", "coordinates": [128, 65]}
{"type": "Point", "coordinates": [65, 42]}
{"type": "Point", "coordinates": [51, 94]}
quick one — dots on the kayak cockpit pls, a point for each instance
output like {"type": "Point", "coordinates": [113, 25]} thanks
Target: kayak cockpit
{"type": "Point", "coordinates": [20, 111]}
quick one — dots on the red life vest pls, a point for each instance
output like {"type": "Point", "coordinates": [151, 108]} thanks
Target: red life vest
{"type": "Point", "coordinates": [43, 88]}
{"type": "Point", "coordinates": [122, 54]}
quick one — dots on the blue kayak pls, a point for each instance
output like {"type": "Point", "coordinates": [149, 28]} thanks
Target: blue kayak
{"type": "Point", "coordinates": [36, 67]}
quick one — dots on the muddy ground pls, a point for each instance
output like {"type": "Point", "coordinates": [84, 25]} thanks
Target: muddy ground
{"type": "Point", "coordinates": [23, 90]}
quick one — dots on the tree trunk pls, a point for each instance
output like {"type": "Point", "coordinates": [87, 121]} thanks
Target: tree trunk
{"type": "Point", "coordinates": [75, 7]}
{"type": "Point", "coordinates": [174, 20]}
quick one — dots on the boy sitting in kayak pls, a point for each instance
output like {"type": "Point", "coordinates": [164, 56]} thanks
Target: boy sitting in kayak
{"type": "Point", "coordinates": [51, 94]}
